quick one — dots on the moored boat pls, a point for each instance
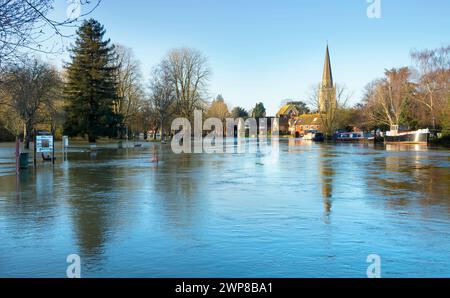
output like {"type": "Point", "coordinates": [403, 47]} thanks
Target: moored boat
{"type": "Point", "coordinates": [350, 137]}
{"type": "Point", "coordinates": [394, 136]}
{"type": "Point", "coordinates": [314, 136]}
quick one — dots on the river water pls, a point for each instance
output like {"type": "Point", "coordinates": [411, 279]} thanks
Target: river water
{"type": "Point", "coordinates": [306, 210]}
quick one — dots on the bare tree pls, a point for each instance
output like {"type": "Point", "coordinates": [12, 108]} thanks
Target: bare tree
{"type": "Point", "coordinates": [149, 117]}
{"type": "Point", "coordinates": [26, 89]}
{"type": "Point", "coordinates": [26, 25]}
{"type": "Point", "coordinates": [331, 118]}
{"type": "Point", "coordinates": [434, 82]}
{"type": "Point", "coordinates": [51, 112]}
{"type": "Point", "coordinates": [386, 98]}
{"type": "Point", "coordinates": [139, 121]}
{"type": "Point", "coordinates": [129, 88]}
{"type": "Point", "coordinates": [189, 74]}
{"type": "Point", "coordinates": [163, 95]}
{"type": "Point", "coordinates": [11, 121]}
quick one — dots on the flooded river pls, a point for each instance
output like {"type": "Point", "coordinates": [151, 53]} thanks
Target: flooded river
{"type": "Point", "coordinates": [307, 210]}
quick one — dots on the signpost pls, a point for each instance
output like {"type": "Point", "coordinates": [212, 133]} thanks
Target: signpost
{"type": "Point", "coordinates": [45, 146]}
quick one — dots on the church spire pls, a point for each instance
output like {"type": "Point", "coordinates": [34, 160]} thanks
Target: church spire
{"type": "Point", "coordinates": [327, 80]}
{"type": "Point", "coordinates": [327, 95]}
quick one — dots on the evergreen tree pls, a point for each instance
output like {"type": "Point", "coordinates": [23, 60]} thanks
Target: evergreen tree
{"type": "Point", "coordinates": [259, 111]}
{"type": "Point", "coordinates": [301, 106]}
{"type": "Point", "coordinates": [239, 112]}
{"type": "Point", "coordinates": [91, 88]}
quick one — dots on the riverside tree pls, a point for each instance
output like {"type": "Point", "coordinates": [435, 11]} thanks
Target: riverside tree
{"type": "Point", "coordinates": [387, 100]}
{"type": "Point", "coordinates": [433, 88]}
{"type": "Point", "coordinates": [28, 91]}
{"type": "Point", "coordinates": [162, 97]}
{"type": "Point", "coordinates": [189, 74]}
{"type": "Point", "coordinates": [259, 111]}
{"type": "Point", "coordinates": [239, 112]}
{"type": "Point", "coordinates": [91, 87]}
{"type": "Point", "coordinates": [417, 99]}
{"type": "Point", "coordinates": [218, 109]}
{"type": "Point", "coordinates": [130, 92]}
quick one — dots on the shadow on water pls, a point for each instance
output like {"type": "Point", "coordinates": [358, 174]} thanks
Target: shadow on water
{"type": "Point", "coordinates": [102, 190]}
{"type": "Point", "coordinates": [91, 190]}
{"type": "Point", "coordinates": [177, 182]}
{"type": "Point", "coordinates": [32, 199]}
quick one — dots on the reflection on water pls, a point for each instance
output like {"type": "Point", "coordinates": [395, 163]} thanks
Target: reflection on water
{"type": "Point", "coordinates": [426, 177]}
{"type": "Point", "coordinates": [295, 209]}
{"type": "Point", "coordinates": [326, 175]}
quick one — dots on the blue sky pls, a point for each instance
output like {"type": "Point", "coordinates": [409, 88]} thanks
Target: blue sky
{"type": "Point", "coordinates": [270, 50]}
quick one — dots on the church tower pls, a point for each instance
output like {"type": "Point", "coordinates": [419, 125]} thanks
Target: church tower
{"type": "Point", "coordinates": [327, 92]}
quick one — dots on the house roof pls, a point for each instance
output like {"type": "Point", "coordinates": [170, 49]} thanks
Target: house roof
{"type": "Point", "coordinates": [308, 119]}
{"type": "Point", "coordinates": [287, 109]}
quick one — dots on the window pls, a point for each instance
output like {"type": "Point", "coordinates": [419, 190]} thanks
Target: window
{"type": "Point", "coordinates": [306, 126]}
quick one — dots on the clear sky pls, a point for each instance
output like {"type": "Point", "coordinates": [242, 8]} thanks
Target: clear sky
{"type": "Point", "coordinates": [270, 50]}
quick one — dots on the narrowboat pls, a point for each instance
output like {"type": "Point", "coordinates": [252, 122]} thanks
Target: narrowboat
{"type": "Point", "coordinates": [350, 137]}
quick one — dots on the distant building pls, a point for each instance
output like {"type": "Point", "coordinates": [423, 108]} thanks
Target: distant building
{"type": "Point", "coordinates": [286, 113]}
{"type": "Point", "coordinates": [300, 125]}
{"type": "Point", "coordinates": [327, 92]}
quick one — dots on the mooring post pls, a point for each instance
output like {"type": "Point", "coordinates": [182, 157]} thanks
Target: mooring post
{"type": "Point", "coordinates": [54, 143]}
{"type": "Point", "coordinates": [65, 145]}
{"type": "Point", "coordinates": [17, 156]}
{"type": "Point", "coordinates": [35, 148]}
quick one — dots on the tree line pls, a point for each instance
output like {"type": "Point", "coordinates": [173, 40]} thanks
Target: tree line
{"type": "Point", "coordinates": [412, 97]}
{"type": "Point", "coordinates": [101, 92]}
{"type": "Point", "coordinates": [416, 97]}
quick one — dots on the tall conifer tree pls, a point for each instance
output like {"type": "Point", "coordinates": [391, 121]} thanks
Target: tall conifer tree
{"type": "Point", "coordinates": [90, 90]}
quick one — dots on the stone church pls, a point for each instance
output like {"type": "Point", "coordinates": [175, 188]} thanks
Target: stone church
{"type": "Point", "coordinates": [301, 125]}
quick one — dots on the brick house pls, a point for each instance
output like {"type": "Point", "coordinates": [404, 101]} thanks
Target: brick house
{"type": "Point", "coordinates": [301, 125]}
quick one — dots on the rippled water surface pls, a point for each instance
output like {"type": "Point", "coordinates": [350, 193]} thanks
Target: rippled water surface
{"type": "Point", "coordinates": [310, 210]}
